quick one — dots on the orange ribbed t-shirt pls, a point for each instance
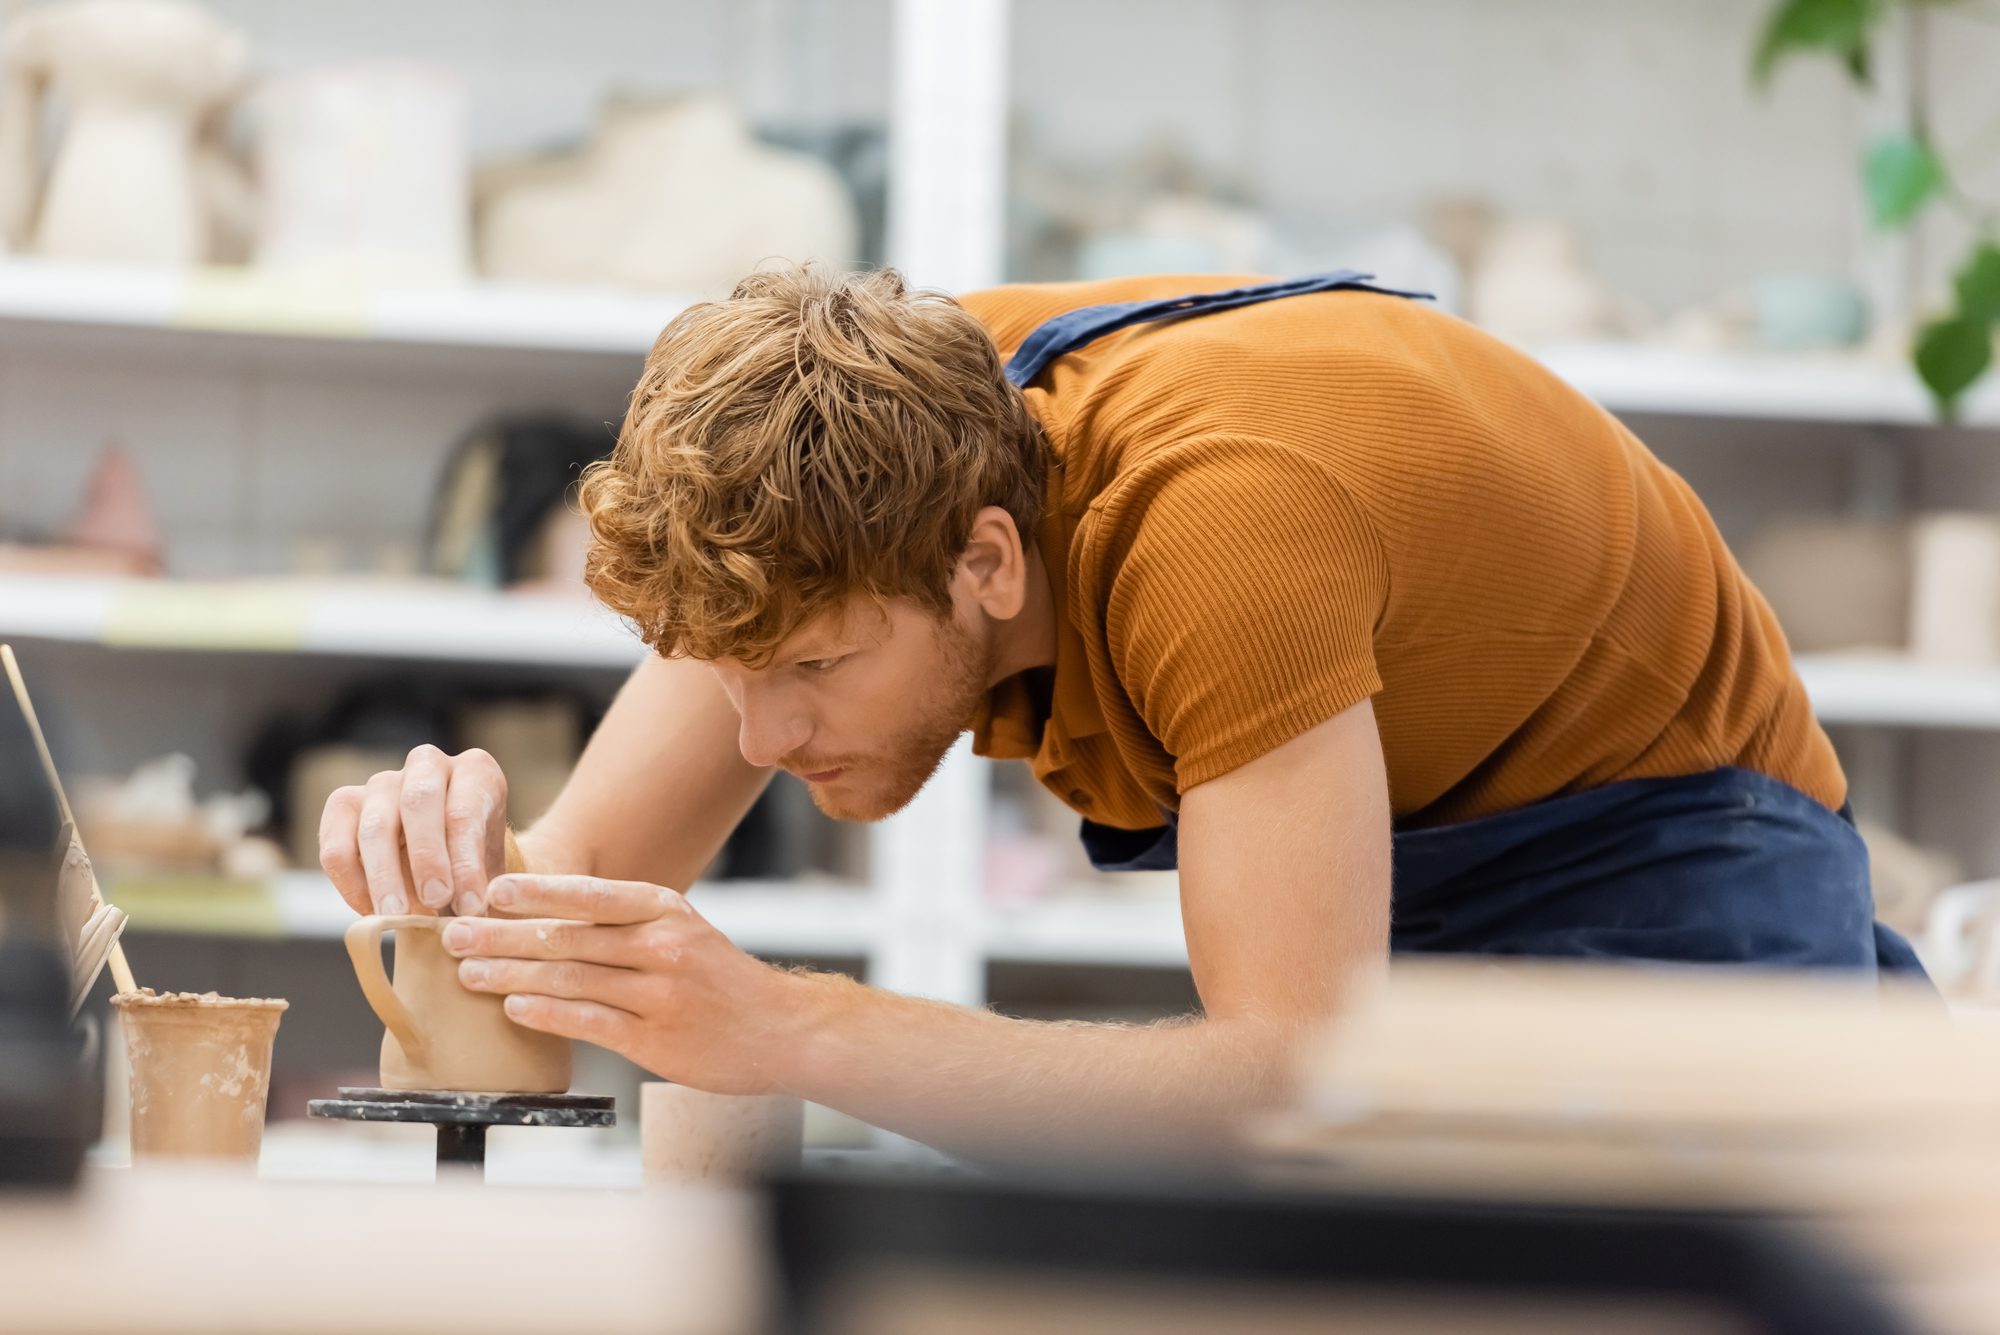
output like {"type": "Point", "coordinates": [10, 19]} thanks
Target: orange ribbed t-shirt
{"type": "Point", "coordinates": [1259, 518]}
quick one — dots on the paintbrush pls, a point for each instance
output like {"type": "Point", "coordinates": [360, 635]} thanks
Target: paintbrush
{"type": "Point", "coordinates": [90, 926]}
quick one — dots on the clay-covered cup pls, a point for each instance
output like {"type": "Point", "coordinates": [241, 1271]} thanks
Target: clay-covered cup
{"type": "Point", "coordinates": [201, 1072]}
{"type": "Point", "coordinates": [440, 1035]}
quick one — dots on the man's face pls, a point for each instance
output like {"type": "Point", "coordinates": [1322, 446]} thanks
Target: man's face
{"type": "Point", "coordinates": [861, 706]}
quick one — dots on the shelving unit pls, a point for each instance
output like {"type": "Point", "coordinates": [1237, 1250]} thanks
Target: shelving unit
{"type": "Point", "coordinates": [469, 314]}
{"type": "Point", "coordinates": [1812, 387]}
{"type": "Point", "coordinates": [437, 621]}
{"type": "Point", "coordinates": [384, 618]}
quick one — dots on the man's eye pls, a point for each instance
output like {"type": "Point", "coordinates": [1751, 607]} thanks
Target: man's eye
{"type": "Point", "coordinates": [819, 664]}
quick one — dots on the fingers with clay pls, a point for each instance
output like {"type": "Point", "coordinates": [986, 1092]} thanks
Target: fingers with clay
{"type": "Point", "coordinates": [633, 967]}
{"type": "Point", "coordinates": [585, 899]}
{"type": "Point", "coordinates": [426, 774]}
{"type": "Point", "coordinates": [475, 827]}
{"type": "Point", "coordinates": [419, 838]}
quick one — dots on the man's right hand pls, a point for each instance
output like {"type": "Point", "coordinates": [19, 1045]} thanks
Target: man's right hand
{"type": "Point", "coordinates": [416, 839]}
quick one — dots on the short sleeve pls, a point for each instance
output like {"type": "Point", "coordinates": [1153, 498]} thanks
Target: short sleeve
{"type": "Point", "coordinates": [1237, 586]}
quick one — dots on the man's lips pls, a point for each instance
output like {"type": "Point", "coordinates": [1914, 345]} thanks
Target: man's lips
{"type": "Point", "coordinates": [823, 776]}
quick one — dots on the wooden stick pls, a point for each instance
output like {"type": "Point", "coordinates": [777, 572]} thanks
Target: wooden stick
{"type": "Point", "coordinates": [20, 686]}
{"type": "Point", "coordinates": [121, 972]}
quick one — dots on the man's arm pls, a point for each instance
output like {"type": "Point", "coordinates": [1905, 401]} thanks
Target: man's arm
{"type": "Point", "coordinates": [657, 790]}
{"type": "Point", "coordinates": [1285, 897]}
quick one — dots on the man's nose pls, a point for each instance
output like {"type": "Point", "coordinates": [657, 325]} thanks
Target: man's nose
{"type": "Point", "coordinates": [769, 731]}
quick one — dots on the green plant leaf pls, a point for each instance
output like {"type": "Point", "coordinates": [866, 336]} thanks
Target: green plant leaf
{"type": "Point", "coordinates": [1978, 285]}
{"type": "Point", "coordinates": [1838, 27]}
{"type": "Point", "coordinates": [1902, 174]}
{"type": "Point", "coordinates": [1951, 354]}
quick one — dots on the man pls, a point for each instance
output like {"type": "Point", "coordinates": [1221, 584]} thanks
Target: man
{"type": "Point", "coordinates": [1287, 585]}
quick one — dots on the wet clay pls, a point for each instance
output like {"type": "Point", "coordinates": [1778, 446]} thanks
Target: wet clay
{"type": "Point", "coordinates": [687, 1135]}
{"type": "Point", "coordinates": [441, 1036]}
{"type": "Point", "coordinates": [201, 1068]}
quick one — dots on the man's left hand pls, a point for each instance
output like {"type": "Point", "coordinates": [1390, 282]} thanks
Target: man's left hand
{"type": "Point", "coordinates": [632, 967]}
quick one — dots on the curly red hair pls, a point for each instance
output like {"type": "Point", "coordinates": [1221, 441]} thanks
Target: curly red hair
{"type": "Point", "coordinates": [817, 436]}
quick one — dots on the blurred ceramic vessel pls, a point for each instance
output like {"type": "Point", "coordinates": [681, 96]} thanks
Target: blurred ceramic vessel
{"type": "Point", "coordinates": [131, 181]}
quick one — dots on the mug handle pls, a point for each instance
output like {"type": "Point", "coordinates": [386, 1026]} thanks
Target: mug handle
{"type": "Point", "coordinates": [364, 947]}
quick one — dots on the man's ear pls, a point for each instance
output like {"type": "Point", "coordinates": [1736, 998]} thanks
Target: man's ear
{"type": "Point", "coordinates": [993, 569]}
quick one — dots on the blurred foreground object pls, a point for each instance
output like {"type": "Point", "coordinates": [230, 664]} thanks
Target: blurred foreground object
{"type": "Point", "coordinates": [114, 533]}
{"type": "Point", "coordinates": [1861, 1107]}
{"type": "Point", "coordinates": [194, 1249]}
{"type": "Point", "coordinates": [908, 1254]}
{"type": "Point", "coordinates": [691, 1136]}
{"type": "Point", "coordinates": [50, 1108]}
{"type": "Point", "coordinates": [139, 176]}
{"type": "Point", "coordinates": [673, 195]}
{"type": "Point", "coordinates": [364, 173]}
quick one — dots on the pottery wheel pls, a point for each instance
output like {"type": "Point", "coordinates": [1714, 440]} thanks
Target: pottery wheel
{"type": "Point", "coordinates": [461, 1117]}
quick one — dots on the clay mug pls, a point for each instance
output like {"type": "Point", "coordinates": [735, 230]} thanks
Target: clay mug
{"type": "Point", "coordinates": [441, 1036]}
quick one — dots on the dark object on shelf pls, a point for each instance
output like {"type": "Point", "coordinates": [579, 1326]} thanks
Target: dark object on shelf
{"type": "Point", "coordinates": [781, 836]}
{"type": "Point", "coordinates": [461, 1118]}
{"type": "Point", "coordinates": [838, 1236]}
{"type": "Point", "coordinates": [390, 715]}
{"type": "Point", "coordinates": [499, 488]}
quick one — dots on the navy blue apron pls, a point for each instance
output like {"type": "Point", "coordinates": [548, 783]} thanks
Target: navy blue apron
{"type": "Point", "coordinates": [1724, 867]}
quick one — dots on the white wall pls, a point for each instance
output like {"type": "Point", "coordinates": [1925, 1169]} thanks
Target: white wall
{"type": "Point", "coordinates": [1633, 118]}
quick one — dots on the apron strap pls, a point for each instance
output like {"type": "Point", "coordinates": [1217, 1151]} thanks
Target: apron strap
{"type": "Point", "coordinates": [1071, 330]}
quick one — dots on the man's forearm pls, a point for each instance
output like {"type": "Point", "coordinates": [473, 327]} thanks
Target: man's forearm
{"type": "Point", "coordinates": [982, 1084]}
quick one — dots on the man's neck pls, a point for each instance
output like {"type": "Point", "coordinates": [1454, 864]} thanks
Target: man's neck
{"type": "Point", "coordinates": [1029, 639]}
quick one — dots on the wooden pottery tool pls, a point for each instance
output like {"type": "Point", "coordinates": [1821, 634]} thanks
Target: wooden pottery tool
{"type": "Point", "coordinates": [440, 1035]}
{"type": "Point", "coordinates": [91, 926]}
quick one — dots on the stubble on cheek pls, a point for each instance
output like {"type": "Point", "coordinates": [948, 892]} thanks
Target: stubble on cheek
{"type": "Point", "coordinates": [876, 786]}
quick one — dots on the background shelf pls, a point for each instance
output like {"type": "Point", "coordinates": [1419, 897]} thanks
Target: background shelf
{"type": "Point", "coordinates": [1887, 690]}
{"type": "Point", "coordinates": [451, 622]}
{"type": "Point", "coordinates": [1822, 387]}
{"type": "Point", "coordinates": [1624, 377]}
{"type": "Point", "coordinates": [392, 619]}
{"type": "Point", "coordinates": [470, 314]}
